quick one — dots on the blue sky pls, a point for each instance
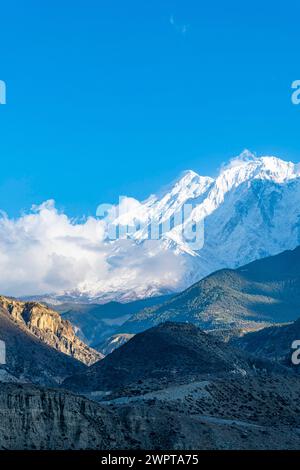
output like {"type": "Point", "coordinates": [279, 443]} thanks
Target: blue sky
{"type": "Point", "coordinates": [118, 97]}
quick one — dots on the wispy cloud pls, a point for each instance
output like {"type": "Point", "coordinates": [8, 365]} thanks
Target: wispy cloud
{"type": "Point", "coordinates": [180, 28]}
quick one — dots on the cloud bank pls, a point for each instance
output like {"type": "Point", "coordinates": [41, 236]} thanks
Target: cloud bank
{"type": "Point", "coordinates": [44, 251]}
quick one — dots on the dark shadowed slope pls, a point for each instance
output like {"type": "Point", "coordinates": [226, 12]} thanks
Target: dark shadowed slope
{"type": "Point", "coordinates": [168, 353]}
{"type": "Point", "coordinates": [272, 343]}
{"type": "Point", "coordinates": [256, 295]}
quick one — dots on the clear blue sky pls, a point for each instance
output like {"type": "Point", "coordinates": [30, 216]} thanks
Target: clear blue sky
{"type": "Point", "coordinates": [118, 97]}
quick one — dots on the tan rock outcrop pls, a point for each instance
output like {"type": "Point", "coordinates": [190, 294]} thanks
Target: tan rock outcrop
{"type": "Point", "coordinates": [47, 325]}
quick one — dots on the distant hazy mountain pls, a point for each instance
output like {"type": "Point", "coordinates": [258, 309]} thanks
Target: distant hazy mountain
{"type": "Point", "coordinates": [272, 343]}
{"type": "Point", "coordinates": [94, 323]}
{"type": "Point", "coordinates": [263, 292]}
{"type": "Point", "coordinates": [48, 326]}
{"type": "Point", "coordinates": [168, 353]}
{"type": "Point", "coordinates": [250, 210]}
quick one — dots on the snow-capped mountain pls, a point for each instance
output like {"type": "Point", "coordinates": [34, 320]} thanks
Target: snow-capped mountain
{"type": "Point", "coordinates": [249, 211]}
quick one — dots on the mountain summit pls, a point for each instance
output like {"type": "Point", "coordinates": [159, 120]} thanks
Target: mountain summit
{"type": "Point", "coordinates": [249, 211]}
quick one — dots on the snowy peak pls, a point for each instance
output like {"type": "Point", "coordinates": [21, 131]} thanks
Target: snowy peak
{"type": "Point", "coordinates": [188, 188]}
{"type": "Point", "coordinates": [278, 170]}
{"type": "Point", "coordinates": [242, 222]}
{"type": "Point", "coordinates": [190, 177]}
{"type": "Point", "coordinates": [249, 211]}
{"type": "Point", "coordinates": [249, 166]}
{"type": "Point", "coordinates": [204, 192]}
{"type": "Point", "coordinates": [189, 185]}
{"type": "Point", "coordinates": [245, 157]}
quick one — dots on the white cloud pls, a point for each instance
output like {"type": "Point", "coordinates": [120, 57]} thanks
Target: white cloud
{"type": "Point", "coordinates": [180, 28]}
{"type": "Point", "coordinates": [44, 251]}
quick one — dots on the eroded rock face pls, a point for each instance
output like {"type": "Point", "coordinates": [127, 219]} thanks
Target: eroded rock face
{"type": "Point", "coordinates": [35, 418]}
{"type": "Point", "coordinates": [49, 327]}
{"type": "Point", "coordinates": [226, 414]}
{"type": "Point", "coordinates": [28, 359]}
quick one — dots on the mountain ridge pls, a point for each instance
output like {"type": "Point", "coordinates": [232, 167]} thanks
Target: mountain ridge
{"type": "Point", "coordinates": [245, 216]}
{"type": "Point", "coordinates": [273, 343]}
{"type": "Point", "coordinates": [167, 353]}
{"type": "Point", "coordinates": [253, 296]}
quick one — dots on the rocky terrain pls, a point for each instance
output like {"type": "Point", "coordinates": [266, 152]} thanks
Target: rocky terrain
{"type": "Point", "coordinates": [227, 401]}
{"type": "Point", "coordinates": [28, 359]}
{"type": "Point", "coordinates": [217, 415]}
{"type": "Point", "coordinates": [48, 326]}
{"type": "Point", "coordinates": [273, 343]}
{"type": "Point", "coordinates": [167, 354]}
{"type": "Point", "coordinates": [259, 412]}
{"type": "Point", "coordinates": [177, 387]}
{"type": "Point", "coordinates": [38, 418]}
{"type": "Point", "coordinates": [251, 297]}
{"type": "Point", "coordinates": [173, 386]}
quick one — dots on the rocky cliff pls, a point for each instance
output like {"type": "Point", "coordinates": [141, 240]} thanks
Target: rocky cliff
{"type": "Point", "coordinates": [28, 359]}
{"type": "Point", "coordinates": [48, 326]}
{"type": "Point", "coordinates": [35, 418]}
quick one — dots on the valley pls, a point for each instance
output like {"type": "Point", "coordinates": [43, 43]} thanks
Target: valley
{"type": "Point", "coordinates": [203, 362]}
